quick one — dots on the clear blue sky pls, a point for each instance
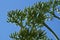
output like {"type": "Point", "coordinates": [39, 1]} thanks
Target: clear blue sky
{"type": "Point", "coordinates": [7, 28]}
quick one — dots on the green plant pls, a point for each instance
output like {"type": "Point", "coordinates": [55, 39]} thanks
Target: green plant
{"type": "Point", "coordinates": [33, 18]}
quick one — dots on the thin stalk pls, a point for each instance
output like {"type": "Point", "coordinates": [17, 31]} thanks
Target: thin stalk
{"type": "Point", "coordinates": [54, 10]}
{"type": "Point", "coordinates": [51, 30]}
{"type": "Point", "coordinates": [56, 17]}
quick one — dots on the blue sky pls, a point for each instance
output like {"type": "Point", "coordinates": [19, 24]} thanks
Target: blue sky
{"type": "Point", "coordinates": [7, 28]}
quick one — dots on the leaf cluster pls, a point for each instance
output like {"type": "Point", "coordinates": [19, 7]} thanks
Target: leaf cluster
{"type": "Point", "coordinates": [26, 34]}
{"type": "Point", "coordinates": [31, 19]}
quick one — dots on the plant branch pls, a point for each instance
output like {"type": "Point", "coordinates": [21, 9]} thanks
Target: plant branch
{"type": "Point", "coordinates": [51, 30]}
{"type": "Point", "coordinates": [56, 16]}
{"type": "Point", "coordinates": [53, 12]}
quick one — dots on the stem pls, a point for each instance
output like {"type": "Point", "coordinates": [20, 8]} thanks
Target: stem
{"type": "Point", "coordinates": [54, 10]}
{"type": "Point", "coordinates": [51, 30]}
{"type": "Point", "coordinates": [56, 17]}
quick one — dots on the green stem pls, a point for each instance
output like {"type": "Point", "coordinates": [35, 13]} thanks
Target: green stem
{"type": "Point", "coordinates": [54, 10]}
{"type": "Point", "coordinates": [51, 30]}
{"type": "Point", "coordinates": [56, 17]}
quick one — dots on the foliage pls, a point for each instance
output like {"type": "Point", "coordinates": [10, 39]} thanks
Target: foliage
{"type": "Point", "coordinates": [26, 34]}
{"type": "Point", "coordinates": [32, 18]}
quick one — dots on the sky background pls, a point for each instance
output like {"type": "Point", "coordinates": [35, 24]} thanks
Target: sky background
{"type": "Point", "coordinates": [7, 28]}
